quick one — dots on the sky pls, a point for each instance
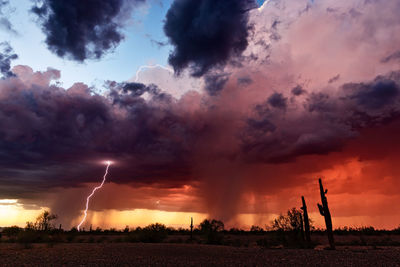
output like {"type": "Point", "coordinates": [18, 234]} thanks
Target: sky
{"type": "Point", "coordinates": [208, 109]}
{"type": "Point", "coordinates": [142, 32]}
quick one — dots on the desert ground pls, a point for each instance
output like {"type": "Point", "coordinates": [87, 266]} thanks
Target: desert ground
{"type": "Point", "coordinates": [138, 254]}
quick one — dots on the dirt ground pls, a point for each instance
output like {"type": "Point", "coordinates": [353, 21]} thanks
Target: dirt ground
{"type": "Point", "coordinates": [127, 254]}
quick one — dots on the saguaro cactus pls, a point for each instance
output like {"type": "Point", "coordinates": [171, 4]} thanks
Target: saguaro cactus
{"type": "Point", "coordinates": [324, 210]}
{"type": "Point", "coordinates": [306, 221]}
{"type": "Point", "coordinates": [302, 227]}
{"type": "Point", "coordinates": [191, 228]}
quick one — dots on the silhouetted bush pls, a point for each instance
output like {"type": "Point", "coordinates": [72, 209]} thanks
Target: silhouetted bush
{"type": "Point", "coordinates": [290, 222]}
{"type": "Point", "coordinates": [256, 229]}
{"type": "Point", "coordinates": [368, 230]}
{"type": "Point", "coordinates": [154, 233]}
{"type": "Point", "coordinates": [212, 230]}
{"type": "Point", "coordinates": [12, 231]}
{"type": "Point", "coordinates": [236, 231]}
{"type": "Point", "coordinates": [288, 230]}
{"type": "Point", "coordinates": [365, 230]}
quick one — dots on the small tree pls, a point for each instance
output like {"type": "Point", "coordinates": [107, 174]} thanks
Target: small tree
{"type": "Point", "coordinates": [292, 221]}
{"type": "Point", "coordinates": [212, 230]}
{"type": "Point", "coordinates": [43, 222]}
{"type": "Point", "coordinates": [30, 226]}
{"type": "Point", "coordinates": [290, 225]}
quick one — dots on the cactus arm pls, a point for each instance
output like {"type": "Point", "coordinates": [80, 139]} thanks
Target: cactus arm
{"type": "Point", "coordinates": [321, 210]}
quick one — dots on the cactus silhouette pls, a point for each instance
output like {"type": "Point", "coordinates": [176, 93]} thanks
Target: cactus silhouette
{"type": "Point", "coordinates": [306, 221]}
{"type": "Point", "coordinates": [324, 211]}
{"type": "Point", "coordinates": [302, 227]}
{"type": "Point", "coordinates": [191, 228]}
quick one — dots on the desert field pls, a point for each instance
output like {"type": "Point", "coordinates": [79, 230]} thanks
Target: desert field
{"type": "Point", "coordinates": [138, 254]}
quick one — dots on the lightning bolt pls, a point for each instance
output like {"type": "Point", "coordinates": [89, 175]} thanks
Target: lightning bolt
{"type": "Point", "coordinates": [94, 190]}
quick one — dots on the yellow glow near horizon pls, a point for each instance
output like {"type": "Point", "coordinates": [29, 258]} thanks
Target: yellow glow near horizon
{"type": "Point", "coordinates": [141, 217]}
{"type": "Point", "coordinates": [12, 213]}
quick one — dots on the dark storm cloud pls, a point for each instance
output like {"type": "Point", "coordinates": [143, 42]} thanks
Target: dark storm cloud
{"type": "Point", "coordinates": [47, 131]}
{"type": "Point", "coordinates": [51, 137]}
{"type": "Point", "coordinates": [260, 127]}
{"type": "Point", "coordinates": [82, 30]}
{"type": "Point", "coordinates": [6, 56]}
{"type": "Point", "coordinates": [215, 83]}
{"type": "Point", "coordinates": [328, 123]}
{"type": "Point", "coordinates": [376, 95]}
{"type": "Point", "coordinates": [206, 33]}
{"type": "Point", "coordinates": [277, 100]}
{"type": "Point", "coordinates": [320, 102]}
{"type": "Point", "coordinates": [298, 90]}
{"type": "Point", "coordinates": [132, 89]}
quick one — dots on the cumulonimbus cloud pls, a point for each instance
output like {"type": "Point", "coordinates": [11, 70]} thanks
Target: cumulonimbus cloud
{"type": "Point", "coordinates": [206, 34]}
{"type": "Point", "coordinates": [280, 108]}
{"type": "Point", "coordinates": [82, 30]}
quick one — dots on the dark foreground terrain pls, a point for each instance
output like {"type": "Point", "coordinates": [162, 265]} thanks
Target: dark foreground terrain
{"type": "Point", "coordinates": [124, 254]}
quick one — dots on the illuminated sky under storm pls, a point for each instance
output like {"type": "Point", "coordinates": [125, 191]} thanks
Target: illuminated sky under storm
{"type": "Point", "coordinates": [264, 100]}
